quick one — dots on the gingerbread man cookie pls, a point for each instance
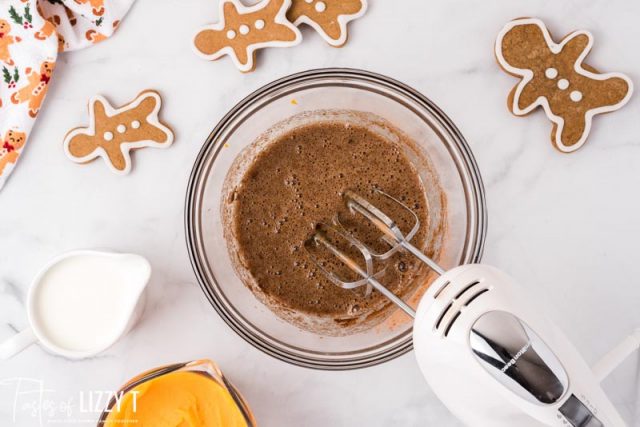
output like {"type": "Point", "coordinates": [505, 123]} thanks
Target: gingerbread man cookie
{"type": "Point", "coordinates": [554, 77]}
{"type": "Point", "coordinates": [242, 30]}
{"type": "Point", "coordinates": [114, 132]}
{"type": "Point", "coordinates": [328, 17]}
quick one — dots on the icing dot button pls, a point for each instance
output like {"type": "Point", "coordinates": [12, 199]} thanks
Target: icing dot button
{"type": "Point", "coordinates": [309, 1]}
{"type": "Point", "coordinates": [320, 6]}
{"type": "Point", "coordinates": [121, 128]}
{"type": "Point", "coordinates": [108, 136]}
{"type": "Point", "coordinates": [576, 96]}
{"type": "Point", "coordinates": [551, 73]}
{"type": "Point", "coordinates": [259, 24]}
{"type": "Point", "coordinates": [231, 34]}
{"type": "Point", "coordinates": [244, 29]}
{"type": "Point", "coordinates": [135, 124]}
{"type": "Point", "coordinates": [563, 84]}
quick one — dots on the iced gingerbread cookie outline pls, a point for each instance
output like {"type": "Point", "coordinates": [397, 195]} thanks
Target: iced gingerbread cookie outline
{"type": "Point", "coordinates": [526, 76]}
{"type": "Point", "coordinates": [321, 7]}
{"type": "Point", "coordinates": [116, 135]}
{"type": "Point", "coordinates": [257, 22]}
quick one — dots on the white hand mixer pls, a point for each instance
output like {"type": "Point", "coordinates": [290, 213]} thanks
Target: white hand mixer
{"type": "Point", "coordinates": [483, 345]}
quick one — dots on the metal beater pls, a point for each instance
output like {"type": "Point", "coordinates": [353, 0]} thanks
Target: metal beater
{"type": "Point", "coordinates": [391, 234]}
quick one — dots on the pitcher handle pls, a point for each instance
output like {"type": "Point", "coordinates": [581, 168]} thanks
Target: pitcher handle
{"type": "Point", "coordinates": [17, 343]}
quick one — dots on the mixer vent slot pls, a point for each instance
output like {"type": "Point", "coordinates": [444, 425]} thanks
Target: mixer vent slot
{"type": "Point", "coordinates": [469, 286]}
{"type": "Point", "coordinates": [442, 315]}
{"type": "Point", "coordinates": [471, 289]}
{"type": "Point", "coordinates": [442, 288]}
{"type": "Point", "coordinates": [476, 296]}
{"type": "Point", "coordinates": [446, 332]}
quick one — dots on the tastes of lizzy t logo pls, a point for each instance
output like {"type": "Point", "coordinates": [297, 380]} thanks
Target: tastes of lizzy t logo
{"type": "Point", "coordinates": [27, 402]}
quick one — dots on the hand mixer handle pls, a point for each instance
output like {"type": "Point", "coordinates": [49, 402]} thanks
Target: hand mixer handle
{"type": "Point", "coordinates": [617, 355]}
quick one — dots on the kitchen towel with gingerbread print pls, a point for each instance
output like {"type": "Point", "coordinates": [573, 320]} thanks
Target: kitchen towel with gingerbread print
{"type": "Point", "coordinates": [32, 32]}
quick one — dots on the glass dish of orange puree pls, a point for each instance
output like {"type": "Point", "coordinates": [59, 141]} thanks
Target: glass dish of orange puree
{"type": "Point", "coordinates": [192, 394]}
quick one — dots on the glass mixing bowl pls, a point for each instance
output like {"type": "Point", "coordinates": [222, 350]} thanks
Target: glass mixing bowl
{"type": "Point", "coordinates": [347, 89]}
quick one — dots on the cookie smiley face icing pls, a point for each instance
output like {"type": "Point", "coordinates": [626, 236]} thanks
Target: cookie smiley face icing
{"type": "Point", "coordinates": [554, 77]}
{"type": "Point", "coordinates": [243, 30]}
{"type": "Point", "coordinates": [328, 17]}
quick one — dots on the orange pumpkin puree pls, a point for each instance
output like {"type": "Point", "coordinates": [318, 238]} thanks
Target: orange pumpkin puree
{"type": "Point", "coordinates": [177, 399]}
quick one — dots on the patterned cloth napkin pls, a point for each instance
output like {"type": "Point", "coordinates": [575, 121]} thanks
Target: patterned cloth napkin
{"type": "Point", "coordinates": [32, 32]}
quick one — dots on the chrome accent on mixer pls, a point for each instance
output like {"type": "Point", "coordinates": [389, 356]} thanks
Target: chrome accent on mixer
{"type": "Point", "coordinates": [516, 356]}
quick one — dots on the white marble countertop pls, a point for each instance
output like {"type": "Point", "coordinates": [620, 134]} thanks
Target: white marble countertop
{"type": "Point", "coordinates": [565, 225]}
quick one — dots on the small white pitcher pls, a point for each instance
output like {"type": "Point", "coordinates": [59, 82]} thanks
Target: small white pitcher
{"type": "Point", "coordinates": [135, 271]}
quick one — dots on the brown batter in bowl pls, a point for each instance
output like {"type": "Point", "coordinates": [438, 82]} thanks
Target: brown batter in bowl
{"type": "Point", "coordinates": [293, 177]}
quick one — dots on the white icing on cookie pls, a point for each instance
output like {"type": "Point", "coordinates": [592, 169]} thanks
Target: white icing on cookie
{"type": "Point", "coordinates": [563, 84]}
{"type": "Point", "coordinates": [280, 18]}
{"type": "Point", "coordinates": [551, 73]}
{"type": "Point", "coordinates": [343, 20]}
{"type": "Point", "coordinates": [526, 76]}
{"type": "Point", "coordinates": [576, 96]}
